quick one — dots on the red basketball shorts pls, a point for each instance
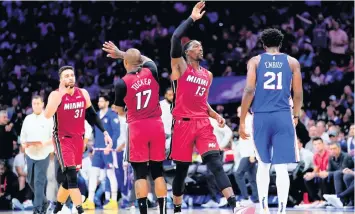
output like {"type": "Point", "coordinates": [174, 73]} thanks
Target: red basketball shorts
{"type": "Point", "coordinates": [146, 140]}
{"type": "Point", "coordinates": [190, 132]}
{"type": "Point", "coordinates": [69, 150]}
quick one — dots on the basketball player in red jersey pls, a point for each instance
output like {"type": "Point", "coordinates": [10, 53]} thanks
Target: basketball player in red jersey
{"type": "Point", "coordinates": [70, 106]}
{"type": "Point", "coordinates": [138, 91]}
{"type": "Point", "coordinates": [191, 114]}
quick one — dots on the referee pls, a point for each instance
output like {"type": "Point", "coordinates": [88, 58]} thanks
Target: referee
{"type": "Point", "coordinates": [36, 137]}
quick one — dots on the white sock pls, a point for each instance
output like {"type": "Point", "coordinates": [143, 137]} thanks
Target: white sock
{"type": "Point", "coordinates": [113, 182]}
{"type": "Point", "coordinates": [283, 186]}
{"type": "Point", "coordinates": [262, 181]}
{"type": "Point", "coordinates": [150, 196]}
{"type": "Point", "coordinates": [107, 195]}
{"type": "Point", "coordinates": [94, 174]}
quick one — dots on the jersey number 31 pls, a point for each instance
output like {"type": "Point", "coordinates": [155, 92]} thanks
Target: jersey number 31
{"type": "Point", "coordinates": [139, 95]}
{"type": "Point", "coordinates": [270, 83]}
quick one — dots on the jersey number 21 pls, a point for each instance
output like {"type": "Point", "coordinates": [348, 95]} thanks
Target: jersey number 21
{"type": "Point", "coordinates": [270, 83]}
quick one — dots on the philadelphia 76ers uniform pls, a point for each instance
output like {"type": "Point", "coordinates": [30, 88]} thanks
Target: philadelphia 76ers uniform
{"type": "Point", "coordinates": [273, 129]}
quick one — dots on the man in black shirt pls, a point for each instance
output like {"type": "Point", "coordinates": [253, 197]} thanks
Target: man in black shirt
{"type": "Point", "coordinates": [338, 161]}
{"type": "Point", "coordinates": [7, 137]}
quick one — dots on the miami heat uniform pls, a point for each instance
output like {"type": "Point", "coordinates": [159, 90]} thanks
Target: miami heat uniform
{"type": "Point", "coordinates": [273, 128]}
{"type": "Point", "coordinates": [191, 125]}
{"type": "Point", "coordinates": [139, 91]}
{"type": "Point", "coordinates": [68, 131]}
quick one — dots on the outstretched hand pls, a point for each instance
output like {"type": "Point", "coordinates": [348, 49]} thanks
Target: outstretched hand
{"type": "Point", "coordinates": [111, 50]}
{"type": "Point", "coordinates": [197, 12]}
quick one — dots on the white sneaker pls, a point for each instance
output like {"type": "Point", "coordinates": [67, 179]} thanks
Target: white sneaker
{"type": "Point", "coordinates": [27, 204]}
{"type": "Point", "coordinates": [334, 200]}
{"type": "Point", "coordinates": [222, 202]}
{"type": "Point", "coordinates": [210, 204]}
{"type": "Point", "coordinates": [65, 210]}
{"type": "Point", "coordinates": [74, 210]}
{"type": "Point", "coordinates": [245, 202]}
{"type": "Point", "coordinates": [16, 204]}
{"type": "Point", "coordinates": [244, 209]}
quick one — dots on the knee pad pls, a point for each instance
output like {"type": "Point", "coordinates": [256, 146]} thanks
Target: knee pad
{"type": "Point", "coordinates": [72, 179]}
{"type": "Point", "coordinates": [179, 180]}
{"type": "Point", "coordinates": [140, 170]}
{"type": "Point", "coordinates": [215, 165]}
{"type": "Point", "coordinates": [156, 169]}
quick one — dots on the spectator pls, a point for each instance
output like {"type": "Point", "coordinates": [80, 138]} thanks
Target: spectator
{"type": "Point", "coordinates": [8, 138]}
{"type": "Point", "coordinates": [313, 181]}
{"type": "Point", "coordinates": [334, 74]}
{"type": "Point", "coordinates": [9, 186]}
{"type": "Point", "coordinates": [321, 131]}
{"type": "Point", "coordinates": [304, 165]}
{"type": "Point", "coordinates": [331, 115]}
{"type": "Point", "coordinates": [306, 59]}
{"type": "Point", "coordinates": [20, 170]}
{"type": "Point", "coordinates": [338, 43]}
{"type": "Point", "coordinates": [338, 161]}
{"type": "Point", "coordinates": [349, 147]}
{"type": "Point", "coordinates": [317, 77]}
{"type": "Point", "coordinates": [312, 134]}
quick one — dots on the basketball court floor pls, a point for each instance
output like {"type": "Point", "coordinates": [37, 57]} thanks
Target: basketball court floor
{"type": "Point", "coordinates": [203, 211]}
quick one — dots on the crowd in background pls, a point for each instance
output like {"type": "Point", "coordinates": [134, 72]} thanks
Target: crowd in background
{"type": "Point", "coordinates": [36, 38]}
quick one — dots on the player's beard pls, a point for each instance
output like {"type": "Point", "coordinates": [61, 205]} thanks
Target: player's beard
{"type": "Point", "coordinates": [70, 85]}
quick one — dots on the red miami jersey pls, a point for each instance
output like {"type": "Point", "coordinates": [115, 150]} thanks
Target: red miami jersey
{"type": "Point", "coordinates": [191, 94]}
{"type": "Point", "coordinates": [142, 96]}
{"type": "Point", "coordinates": [69, 119]}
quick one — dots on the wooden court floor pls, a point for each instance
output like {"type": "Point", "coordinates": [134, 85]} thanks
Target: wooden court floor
{"type": "Point", "coordinates": [202, 211]}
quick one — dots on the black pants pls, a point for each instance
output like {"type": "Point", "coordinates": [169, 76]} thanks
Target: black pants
{"type": "Point", "coordinates": [317, 187]}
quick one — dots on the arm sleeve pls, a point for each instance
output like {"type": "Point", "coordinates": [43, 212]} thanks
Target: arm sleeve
{"type": "Point", "coordinates": [120, 93]}
{"type": "Point", "coordinates": [176, 47]}
{"type": "Point", "coordinates": [153, 68]}
{"type": "Point", "coordinates": [114, 122]}
{"type": "Point", "coordinates": [93, 119]}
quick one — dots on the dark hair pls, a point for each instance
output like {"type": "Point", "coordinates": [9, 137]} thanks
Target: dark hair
{"type": "Point", "coordinates": [317, 138]}
{"type": "Point", "coordinates": [105, 97]}
{"type": "Point", "coordinates": [168, 89]}
{"type": "Point", "coordinates": [37, 97]}
{"type": "Point", "coordinates": [334, 143]}
{"type": "Point", "coordinates": [65, 67]}
{"type": "Point", "coordinates": [272, 37]}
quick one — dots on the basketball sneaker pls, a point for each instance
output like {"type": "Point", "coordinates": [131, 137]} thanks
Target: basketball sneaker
{"type": "Point", "coordinates": [88, 205]}
{"type": "Point", "coordinates": [239, 209]}
{"type": "Point", "coordinates": [111, 205]}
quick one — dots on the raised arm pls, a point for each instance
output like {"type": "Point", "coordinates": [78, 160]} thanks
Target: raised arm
{"type": "Point", "coordinates": [113, 52]}
{"type": "Point", "coordinates": [54, 100]}
{"type": "Point", "coordinates": [178, 63]}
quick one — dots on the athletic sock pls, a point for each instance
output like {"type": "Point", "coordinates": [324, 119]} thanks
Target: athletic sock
{"type": "Point", "coordinates": [143, 206]}
{"type": "Point", "coordinates": [58, 207]}
{"type": "Point", "coordinates": [232, 201]}
{"type": "Point", "coordinates": [262, 181]}
{"type": "Point", "coordinates": [80, 209]}
{"type": "Point", "coordinates": [162, 205]}
{"type": "Point", "coordinates": [177, 208]}
{"type": "Point", "coordinates": [282, 185]}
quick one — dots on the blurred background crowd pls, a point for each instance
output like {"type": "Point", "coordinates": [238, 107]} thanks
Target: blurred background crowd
{"type": "Point", "coordinates": [36, 38]}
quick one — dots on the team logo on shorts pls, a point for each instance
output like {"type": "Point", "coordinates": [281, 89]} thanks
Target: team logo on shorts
{"type": "Point", "coordinates": [105, 120]}
{"type": "Point", "coordinates": [115, 120]}
{"type": "Point", "coordinates": [212, 145]}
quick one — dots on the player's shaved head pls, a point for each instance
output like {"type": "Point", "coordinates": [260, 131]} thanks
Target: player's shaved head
{"type": "Point", "coordinates": [133, 57]}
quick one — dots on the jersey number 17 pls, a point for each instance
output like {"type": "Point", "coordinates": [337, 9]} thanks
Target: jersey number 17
{"type": "Point", "coordinates": [139, 95]}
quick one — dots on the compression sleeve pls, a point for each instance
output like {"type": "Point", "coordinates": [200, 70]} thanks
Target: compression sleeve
{"type": "Point", "coordinates": [93, 119]}
{"type": "Point", "coordinates": [120, 93]}
{"type": "Point", "coordinates": [176, 48]}
{"type": "Point", "coordinates": [153, 68]}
